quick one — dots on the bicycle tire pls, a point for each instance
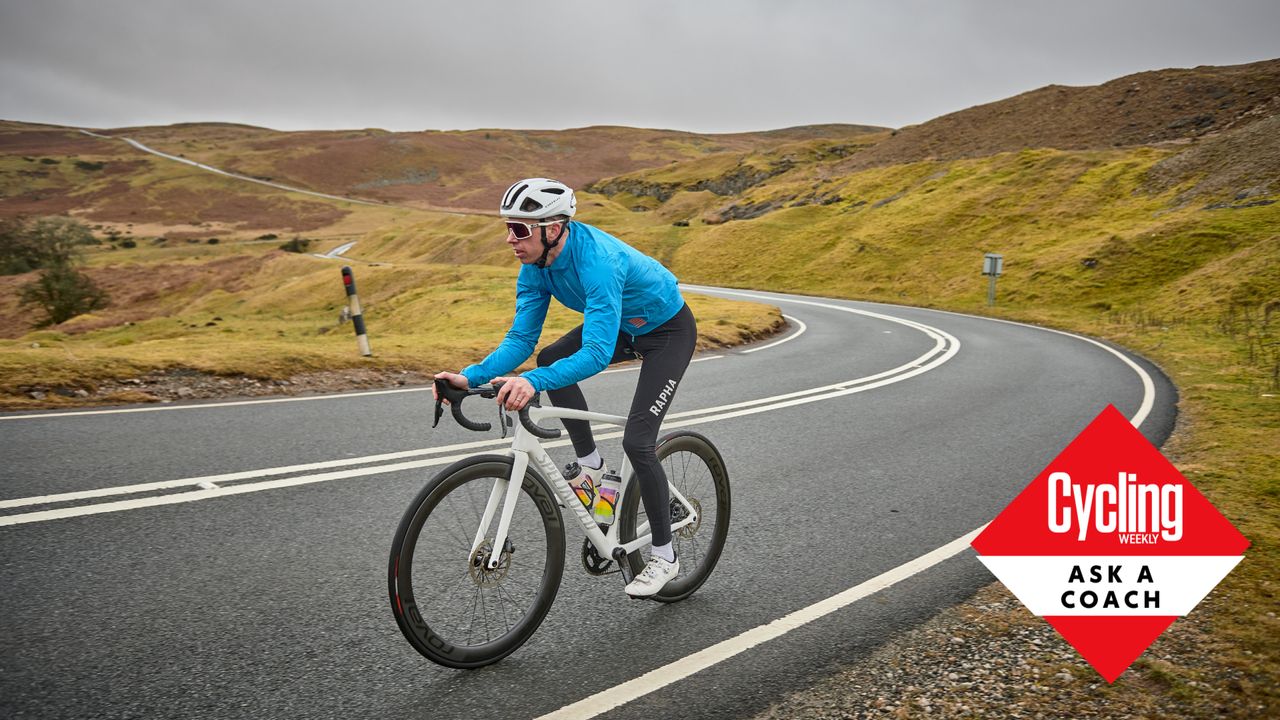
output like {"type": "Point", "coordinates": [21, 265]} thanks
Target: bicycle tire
{"type": "Point", "coordinates": [701, 476]}
{"type": "Point", "coordinates": [422, 609]}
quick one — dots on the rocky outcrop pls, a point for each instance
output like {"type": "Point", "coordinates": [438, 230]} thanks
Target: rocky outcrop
{"type": "Point", "coordinates": [731, 183]}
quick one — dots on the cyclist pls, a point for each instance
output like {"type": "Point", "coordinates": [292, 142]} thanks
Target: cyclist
{"type": "Point", "coordinates": [632, 309]}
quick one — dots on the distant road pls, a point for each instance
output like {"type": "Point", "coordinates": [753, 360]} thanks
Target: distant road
{"type": "Point", "coordinates": [228, 559]}
{"type": "Point", "coordinates": [268, 183]}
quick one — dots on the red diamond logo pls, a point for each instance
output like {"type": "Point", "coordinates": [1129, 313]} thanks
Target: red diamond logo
{"type": "Point", "coordinates": [1110, 544]}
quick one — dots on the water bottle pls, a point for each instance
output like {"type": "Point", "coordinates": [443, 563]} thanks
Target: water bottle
{"type": "Point", "coordinates": [606, 498]}
{"type": "Point", "coordinates": [580, 483]}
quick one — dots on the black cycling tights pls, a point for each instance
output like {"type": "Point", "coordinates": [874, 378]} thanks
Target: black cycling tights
{"type": "Point", "coordinates": [665, 352]}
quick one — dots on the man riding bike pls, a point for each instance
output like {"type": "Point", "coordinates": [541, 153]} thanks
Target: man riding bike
{"type": "Point", "coordinates": [632, 309]}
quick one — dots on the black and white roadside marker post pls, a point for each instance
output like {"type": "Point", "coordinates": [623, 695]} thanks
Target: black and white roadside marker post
{"type": "Point", "coordinates": [992, 266]}
{"type": "Point", "coordinates": [357, 314]}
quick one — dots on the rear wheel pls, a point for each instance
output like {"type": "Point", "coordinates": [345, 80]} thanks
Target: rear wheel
{"type": "Point", "coordinates": [694, 467]}
{"type": "Point", "coordinates": [451, 606]}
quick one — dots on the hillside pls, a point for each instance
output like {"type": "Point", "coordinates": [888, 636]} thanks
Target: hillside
{"type": "Point", "coordinates": [46, 170]}
{"type": "Point", "coordinates": [1173, 105]}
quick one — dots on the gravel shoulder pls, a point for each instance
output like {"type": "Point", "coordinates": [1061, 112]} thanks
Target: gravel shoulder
{"type": "Point", "coordinates": [990, 657]}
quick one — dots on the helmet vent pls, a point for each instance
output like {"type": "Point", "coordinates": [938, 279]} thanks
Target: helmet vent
{"type": "Point", "coordinates": [512, 194]}
{"type": "Point", "coordinates": [557, 191]}
{"type": "Point", "coordinates": [530, 205]}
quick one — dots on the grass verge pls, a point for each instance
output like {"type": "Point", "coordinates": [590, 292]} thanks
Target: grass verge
{"type": "Point", "coordinates": [282, 317]}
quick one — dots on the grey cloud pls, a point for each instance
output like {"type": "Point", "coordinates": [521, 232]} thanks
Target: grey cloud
{"type": "Point", "coordinates": [707, 66]}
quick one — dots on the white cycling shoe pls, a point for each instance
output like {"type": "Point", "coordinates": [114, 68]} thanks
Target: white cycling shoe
{"type": "Point", "coordinates": [653, 578]}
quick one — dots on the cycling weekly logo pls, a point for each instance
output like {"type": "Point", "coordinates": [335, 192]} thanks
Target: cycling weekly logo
{"type": "Point", "coordinates": [1110, 544]}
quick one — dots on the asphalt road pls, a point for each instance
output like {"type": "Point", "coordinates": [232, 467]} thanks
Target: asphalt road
{"type": "Point", "coordinates": [267, 597]}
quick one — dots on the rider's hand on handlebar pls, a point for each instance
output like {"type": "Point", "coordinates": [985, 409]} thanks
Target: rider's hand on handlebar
{"type": "Point", "coordinates": [454, 379]}
{"type": "Point", "coordinates": [514, 392]}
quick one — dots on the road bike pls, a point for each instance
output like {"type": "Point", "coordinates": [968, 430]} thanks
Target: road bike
{"type": "Point", "coordinates": [477, 559]}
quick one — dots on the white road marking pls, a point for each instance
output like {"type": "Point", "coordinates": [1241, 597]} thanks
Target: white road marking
{"type": "Point", "coordinates": [945, 347]}
{"type": "Point", "coordinates": [242, 475]}
{"type": "Point", "coordinates": [788, 338]}
{"type": "Point", "coordinates": [1148, 385]}
{"type": "Point", "coordinates": [671, 421]}
{"type": "Point", "coordinates": [658, 678]}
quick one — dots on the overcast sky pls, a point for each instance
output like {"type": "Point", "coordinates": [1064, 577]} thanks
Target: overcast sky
{"type": "Point", "coordinates": [708, 66]}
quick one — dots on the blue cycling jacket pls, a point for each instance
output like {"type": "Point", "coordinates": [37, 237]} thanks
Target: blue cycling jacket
{"type": "Point", "coordinates": [615, 287]}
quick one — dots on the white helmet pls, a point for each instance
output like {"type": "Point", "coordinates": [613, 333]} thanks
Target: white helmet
{"type": "Point", "coordinates": [537, 199]}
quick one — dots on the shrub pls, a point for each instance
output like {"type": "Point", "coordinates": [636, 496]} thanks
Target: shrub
{"type": "Point", "coordinates": [27, 246]}
{"type": "Point", "coordinates": [128, 243]}
{"type": "Point", "coordinates": [268, 236]}
{"type": "Point", "coordinates": [297, 245]}
{"type": "Point", "coordinates": [90, 166]}
{"type": "Point", "coordinates": [63, 293]}
{"type": "Point", "coordinates": [212, 241]}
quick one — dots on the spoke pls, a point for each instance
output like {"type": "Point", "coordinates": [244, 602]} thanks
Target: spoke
{"type": "Point", "coordinates": [471, 625]}
{"type": "Point", "coordinates": [484, 608]}
{"type": "Point", "coordinates": [429, 580]}
{"type": "Point", "coordinates": [501, 608]}
{"type": "Point", "coordinates": [467, 537]}
{"type": "Point", "coordinates": [461, 535]}
{"type": "Point", "coordinates": [439, 531]}
{"type": "Point", "coordinates": [510, 598]}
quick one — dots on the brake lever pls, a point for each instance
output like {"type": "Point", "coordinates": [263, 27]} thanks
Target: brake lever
{"type": "Point", "coordinates": [504, 420]}
{"type": "Point", "coordinates": [439, 410]}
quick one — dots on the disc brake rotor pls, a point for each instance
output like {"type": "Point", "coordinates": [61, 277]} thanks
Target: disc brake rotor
{"type": "Point", "coordinates": [478, 567]}
{"type": "Point", "coordinates": [678, 513]}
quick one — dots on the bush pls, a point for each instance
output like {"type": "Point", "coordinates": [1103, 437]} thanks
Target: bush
{"type": "Point", "coordinates": [44, 243]}
{"type": "Point", "coordinates": [268, 236]}
{"type": "Point", "coordinates": [297, 245]}
{"type": "Point", "coordinates": [63, 293]}
{"type": "Point", "coordinates": [128, 243]}
{"type": "Point", "coordinates": [212, 241]}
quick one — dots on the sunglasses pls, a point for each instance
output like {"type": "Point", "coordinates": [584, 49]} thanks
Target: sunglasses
{"type": "Point", "coordinates": [523, 231]}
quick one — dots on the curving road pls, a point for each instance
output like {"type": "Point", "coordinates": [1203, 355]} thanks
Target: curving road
{"type": "Point", "coordinates": [228, 559]}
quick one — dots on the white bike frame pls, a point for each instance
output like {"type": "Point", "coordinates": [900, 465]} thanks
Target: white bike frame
{"type": "Point", "coordinates": [525, 448]}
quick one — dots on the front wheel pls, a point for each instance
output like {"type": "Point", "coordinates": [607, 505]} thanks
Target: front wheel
{"type": "Point", "coordinates": [694, 467]}
{"type": "Point", "coordinates": [451, 606]}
